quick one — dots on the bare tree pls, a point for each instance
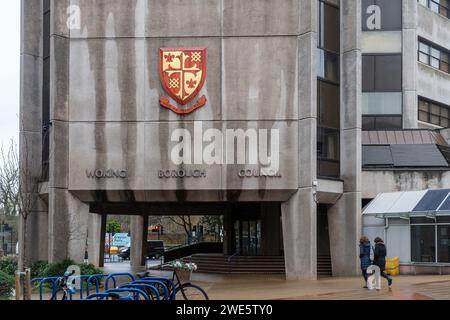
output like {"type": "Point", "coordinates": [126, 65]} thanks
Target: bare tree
{"type": "Point", "coordinates": [28, 193]}
{"type": "Point", "coordinates": [184, 222]}
{"type": "Point", "coordinates": [9, 179]}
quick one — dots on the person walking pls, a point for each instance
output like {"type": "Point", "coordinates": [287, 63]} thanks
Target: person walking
{"type": "Point", "coordinates": [379, 258]}
{"type": "Point", "coordinates": [364, 256]}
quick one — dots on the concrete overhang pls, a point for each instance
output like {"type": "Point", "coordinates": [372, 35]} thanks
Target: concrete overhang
{"type": "Point", "coordinates": [183, 196]}
{"type": "Point", "coordinates": [329, 191]}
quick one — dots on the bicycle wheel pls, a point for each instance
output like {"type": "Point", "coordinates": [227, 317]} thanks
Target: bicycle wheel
{"type": "Point", "coordinates": [190, 292]}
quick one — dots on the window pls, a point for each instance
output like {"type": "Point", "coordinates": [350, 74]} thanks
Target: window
{"type": "Point", "coordinates": [430, 240]}
{"type": "Point", "coordinates": [328, 152]}
{"type": "Point", "coordinates": [376, 103]}
{"type": "Point", "coordinates": [434, 56]}
{"type": "Point", "coordinates": [434, 113]}
{"type": "Point", "coordinates": [423, 243]}
{"type": "Point", "coordinates": [329, 26]}
{"type": "Point", "coordinates": [328, 133]}
{"type": "Point", "coordinates": [439, 6]}
{"type": "Point", "coordinates": [382, 73]}
{"type": "Point", "coordinates": [328, 96]}
{"type": "Point", "coordinates": [328, 65]}
{"type": "Point", "coordinates": [46, 90]}
{"type": "Point", "coordinates": [382, 122]}
{"type": "Point", "coordinates": [328, 90]}
{"type": "Point", "coordinates": [443, 244]}
{"type": "Point", "coordinates": [382, 92]}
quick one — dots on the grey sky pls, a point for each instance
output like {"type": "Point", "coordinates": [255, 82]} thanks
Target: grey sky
{"type": "Point", "coordinates": [9, 70]}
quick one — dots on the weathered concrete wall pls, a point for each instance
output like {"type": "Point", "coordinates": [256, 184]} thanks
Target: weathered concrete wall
{"type": "Point", "coordinates": [115, 118]}
{"type": "Point", "coordinates": [375, 182]}
{"type": "Point", "coordinates": [433, 27]}
{"type": "Point", "coordinates": [433, 84]}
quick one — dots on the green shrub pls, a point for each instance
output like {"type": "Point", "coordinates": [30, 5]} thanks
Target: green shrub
{"type": "Point", "coordinates": [42, 269]}
{"type": "Point", "coordinates": [8, 266]}
{"type": "Point", "coordinates": [6, 285]}
{"type": "Point", "coordinates": [57, 269]}
{"type": "Point", "coordinates": [89, 269]}
{"type": "Point", "coordinates": [38, 269]}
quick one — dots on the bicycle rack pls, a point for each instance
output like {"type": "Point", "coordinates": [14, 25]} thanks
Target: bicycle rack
{"type": "Point", "coordinates": [142, 286]}
{"type": "Point", "coordinates": [135, 285]}
{"type": "Point", "coordinates": [136, 292]}
{"type": "Point", "coordinates": [95, 277]}
{"type": "Point", "coordinates": [53, 281]}
{"type": "Point", "coordinates": [161, 281]}
{"type": "Point", "coordinates": [103, 296]}
{"type": "Point", "coordinates": [113, 276]}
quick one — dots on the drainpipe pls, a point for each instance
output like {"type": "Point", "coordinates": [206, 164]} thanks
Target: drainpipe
{"type": "Point", "coordinates": [386, 227]}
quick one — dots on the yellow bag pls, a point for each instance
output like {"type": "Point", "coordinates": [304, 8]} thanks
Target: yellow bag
{"type": "Point", "coordinates": [393, 266]}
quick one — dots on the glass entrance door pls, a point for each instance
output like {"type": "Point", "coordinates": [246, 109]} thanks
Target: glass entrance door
{"type": "Point", "coordinates": [247, 235]}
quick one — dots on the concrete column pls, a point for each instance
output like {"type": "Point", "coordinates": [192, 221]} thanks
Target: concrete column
{"type": "Point", "coordinates": [409, 36]}
{"type": "Point", "coordinates": [345, 229]}
{"type": "Point", "coordinates": [345, 216]}
{"type": "Point", "coordinates": [96, 239]}
{"type": "Point", "coordinates": [33, 240]}
{"type": "Point", "coordinates": [139, 232]}
{"type": "Point", "coordinates": [32, 230]}
{"type": "Point", "coordinates": [67, 226]}
{"type": "Point", "coordinates": [299, 219]}
{"type": "Point", "coordinates": [299, 213]}
{"type": "Point", "coordinates": [68, 216]}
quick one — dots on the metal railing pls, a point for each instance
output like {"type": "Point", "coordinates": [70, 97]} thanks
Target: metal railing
{"type": "Point", "coordinates": [237, 253]}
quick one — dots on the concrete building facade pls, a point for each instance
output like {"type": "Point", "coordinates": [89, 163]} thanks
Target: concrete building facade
{"type": "Point", "coordinates": [277, 147]}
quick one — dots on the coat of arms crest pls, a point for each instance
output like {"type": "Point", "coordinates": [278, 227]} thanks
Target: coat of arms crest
{"type": "Point", "coordinates": [182, 75]}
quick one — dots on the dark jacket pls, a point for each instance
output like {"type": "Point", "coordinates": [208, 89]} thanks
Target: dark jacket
{"type": "Point", "coordinates": [379, 256]}
{"type": "Point", "coordinates": [364, 255]}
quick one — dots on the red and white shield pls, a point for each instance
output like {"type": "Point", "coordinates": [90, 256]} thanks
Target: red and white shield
{"type": "Point", "coordinates": [182, 75]}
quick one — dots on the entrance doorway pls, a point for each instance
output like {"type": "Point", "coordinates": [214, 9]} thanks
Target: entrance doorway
{"type": "Point", "coordinates": [247, 237]}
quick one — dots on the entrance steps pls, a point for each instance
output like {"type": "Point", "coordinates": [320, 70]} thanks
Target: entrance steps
{"type": "Point", "coordinates": [221, 264]}
{"type": "Point", "coordinates": [324, 266]}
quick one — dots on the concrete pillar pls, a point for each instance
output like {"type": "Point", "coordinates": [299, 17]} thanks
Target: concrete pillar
{"type": "Point", "coordinates": [345, 230]}
{"type": "Point", "coordinates": [67, 226]}
{"type": "Point", "coordinates": [345, 216]}
{"type": "Point", "coordinates": [139, 232]}
{"type": "Point", "coordinates": [299, 213]}
{"type": "Point", "coordinates": [68, 217]}
{"type": "Point", "coordinates": [409, 36]}
{"type": "Point", "coordinates": [32, 230]}
{"type": "Point", "coordinates": [33, 240]}
{"type": "Point", "coordinates": [299, 218]}
{"type": "Point", "coordinates": [96, 239]}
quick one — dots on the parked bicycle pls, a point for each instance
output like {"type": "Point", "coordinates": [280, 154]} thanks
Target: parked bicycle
{"type": "Point", "coordinates": [178, 290]}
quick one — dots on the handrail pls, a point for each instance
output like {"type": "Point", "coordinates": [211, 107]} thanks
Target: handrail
{"type": "Point", "coordinates": [237, 253]}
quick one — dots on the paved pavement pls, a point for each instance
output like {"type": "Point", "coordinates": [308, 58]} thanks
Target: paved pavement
{"type": "Point", "coordinates": [274, 287]}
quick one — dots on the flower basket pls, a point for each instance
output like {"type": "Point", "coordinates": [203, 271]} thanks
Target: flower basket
{"type": "Point", "coordinates": [184, 275]}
